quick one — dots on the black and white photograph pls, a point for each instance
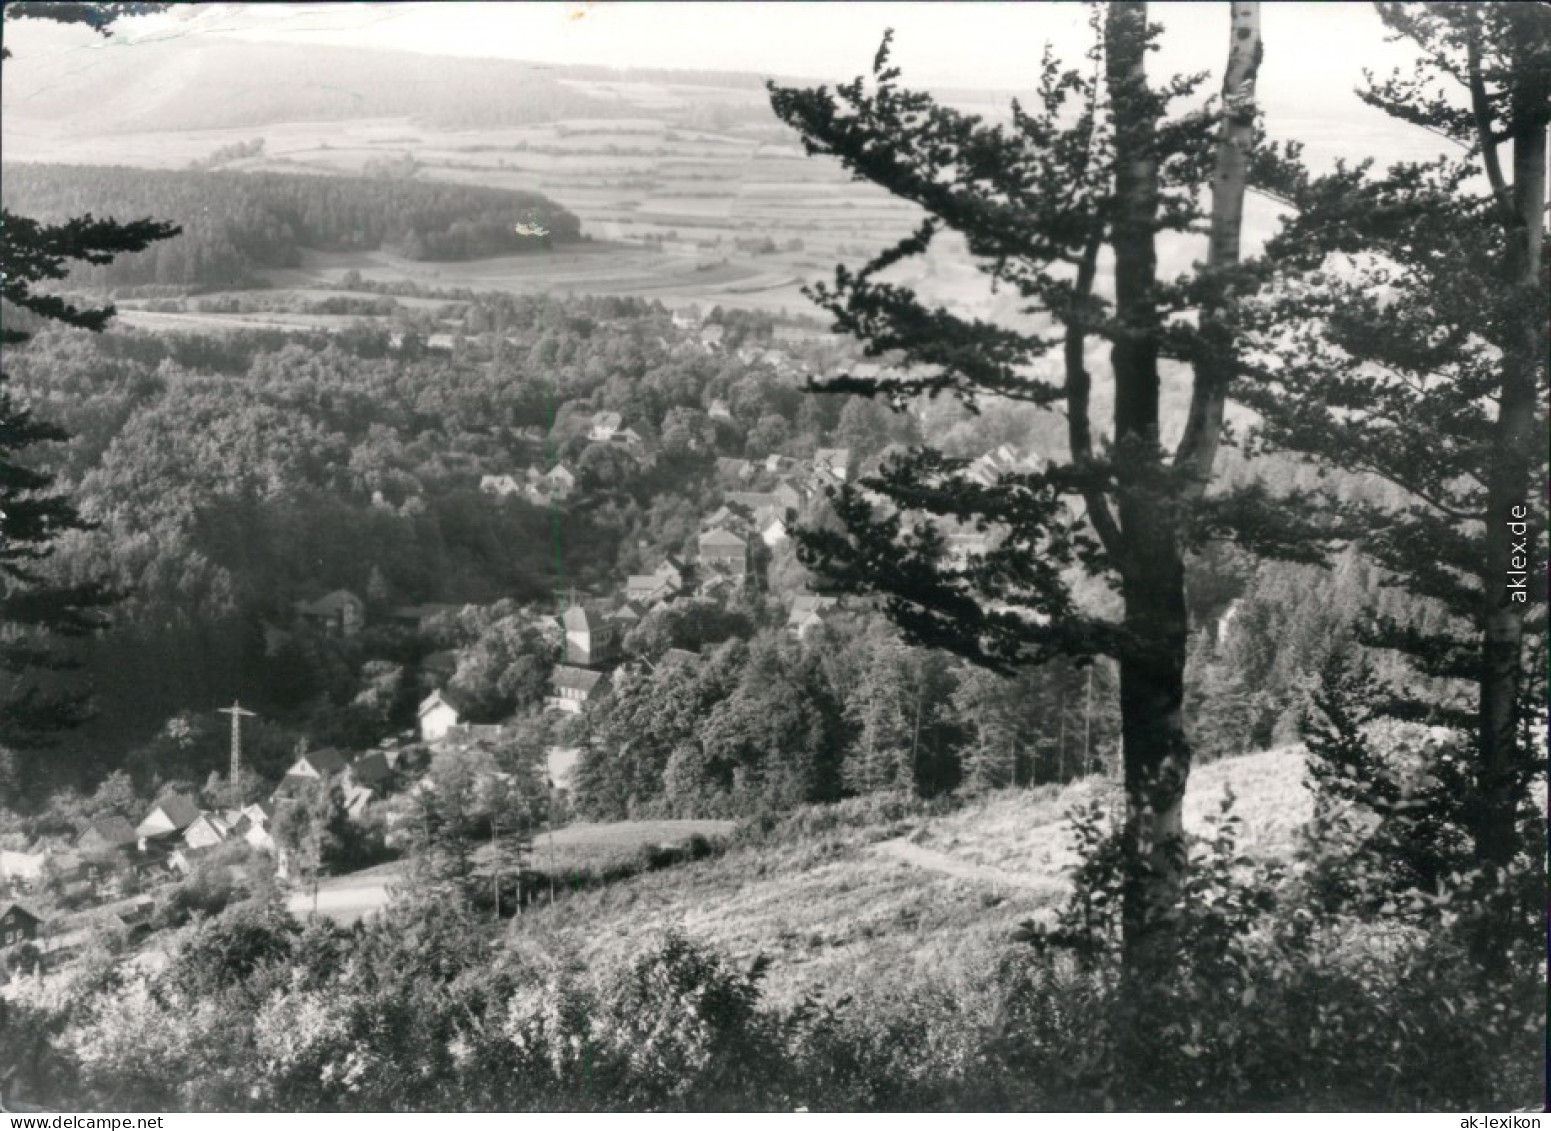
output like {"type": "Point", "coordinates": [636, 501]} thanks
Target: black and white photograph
{"type": "Point", "coordinates": [813, 557]}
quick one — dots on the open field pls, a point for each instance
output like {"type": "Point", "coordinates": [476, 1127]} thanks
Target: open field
{"type": "Point", "coordinates": [573, 848]}
{"type": "Point", "coordinates": [900, 903]}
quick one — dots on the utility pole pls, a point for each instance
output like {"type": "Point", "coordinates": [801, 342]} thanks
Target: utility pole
{"type": "Point", "coordinates": [1087, 723]}
{"type": "Point", "coordinates": [237, 712]}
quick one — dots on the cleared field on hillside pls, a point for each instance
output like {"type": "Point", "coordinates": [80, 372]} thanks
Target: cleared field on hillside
{"type": "Point", "coordinates": [842, 910]}
{"type": "Point", "coordinates": [348, 898]}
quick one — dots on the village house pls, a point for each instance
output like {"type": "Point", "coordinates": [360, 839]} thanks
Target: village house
{"type": "Point", "coordinates": [590, 639]}
{"type": "Point", "coordinates": [438, 714]}
{"type": "Point", "coordinates": [207, 831]}
{"type": "Point", "coordinates": [554, 485]}
{"type": "Point", "coordinates": [832, 466]}
{"type": "Point", "coordinates": [736, 469]}
{"type": "Point", "coordinates": [647, 588]}
{"type": "Point", "coordinates": [771, 526]}
{"type": "Point", "coordinates": [106, 834]}
{"type": "Point", "coordinates": [499, 485]}
{"type": "Point", "coordinates": [573, 688]}
{"type": "Point", "coordinates": [720, 411]}
{"type": "Point", "coordinates": [20, 871]}
{"type": "Point", "coordinates": [783, 496]}
{"type": "Point", "coordinates": [314, 765]}
{"type": "Point", "coordinates": [17, 924]}
{"type": "Point", "coordinates": [166, 820]}
{"type": "Point", "coordinates": [107, 847]}
{"type": "Point", "coordinates": [627, 615]}
{"type": "Point", "coordinates": [1003, 460]}
{"type": "Point", "coordinates": [340, 613]}
{"type": "Point", "coordinates": [808, 612]}
{"type": "Point", "coordinates": [604, 426]}
{"type": "Point", "coordinates": [728, 516]}
{"type": "Point", "coordinates": [717, 587]}
{"type": "Point", "coordinates": [370, 770]}
{"type": "Point", "coordinates": [184, 859]}
{"type": "Point", "coordinates": [722, 551]}
{"type": "Point", "coordinates": [712, 334]}
{"type": "Point", "coordinates": [253, 823]}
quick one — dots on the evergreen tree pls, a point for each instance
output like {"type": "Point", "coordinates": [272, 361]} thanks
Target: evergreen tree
{"type": "Point", "coordinates": [1096, 165]}
{"type": "Point", "coordinates": [37, 611]}
{"type": "Point", "coordinates": [1409, 343]}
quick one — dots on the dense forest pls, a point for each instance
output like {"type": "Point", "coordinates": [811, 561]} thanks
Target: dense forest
{"type": "Point", "coordinates": [230, 476]}
{"type": "Point", "coordinates": [237, 224]}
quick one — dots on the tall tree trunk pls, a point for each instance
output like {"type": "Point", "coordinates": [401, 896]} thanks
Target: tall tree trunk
{"type": "Point", "coordinates": [1157, 756]}
{"type": "Point", "coordinates": [1509, 555]}
{"type": "Point", "coordinates": [1152, 499]}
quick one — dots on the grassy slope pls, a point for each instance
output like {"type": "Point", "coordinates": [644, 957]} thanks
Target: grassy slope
{"type": "Point", "coordinates": [835, 912]}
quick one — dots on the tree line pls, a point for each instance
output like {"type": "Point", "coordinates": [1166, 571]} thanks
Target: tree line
{"type": "Point", "coordinates": [235, 224]}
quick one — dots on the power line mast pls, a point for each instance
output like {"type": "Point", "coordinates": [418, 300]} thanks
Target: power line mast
{"type": "Point", "coordinates": [237, 712]}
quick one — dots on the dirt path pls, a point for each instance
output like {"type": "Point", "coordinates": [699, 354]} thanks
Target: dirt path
{"type": "Point", "coordinates": [932, 861]}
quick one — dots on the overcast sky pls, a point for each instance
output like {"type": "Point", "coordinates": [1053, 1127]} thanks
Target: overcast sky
{"type": "Point", "coordinates": [1315, 52]}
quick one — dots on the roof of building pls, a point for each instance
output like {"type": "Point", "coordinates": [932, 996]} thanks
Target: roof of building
{"type": "Point", "coordinates": [370, 768]}
{"type": "Point", "coordinates": [579, 679]}
{"type": "Point", "coordinates": [629, 611]}
{"type": "Point", "coordinates": [180, 811]}
{"type": "Point", "coordinates": [721, 538]}
{"type": "Point", "coordinates": [21, 865]}
{"type": "Point", "coordinates": [114, 831]}
{"type": "Point", "coordinates": [325, 761]}
{"type": "Point", "coordinates": [609, 420]}
{"type": "Point", "coordinates": [832, 457]}
{"type": "Point", "coordinates": [330, 603]}
{"type": "Point", "coordinates": [217, 823]}
{"type": "Point", "coordinates": [438, 699]}
{"type": "Point", "coordinates": [11, 905]}
{"type": "Point", "coordinates": [578, 618]}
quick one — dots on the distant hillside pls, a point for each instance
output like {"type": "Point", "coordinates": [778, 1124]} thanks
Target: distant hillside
{"type": "Point", "coordinates": [237, 224]}
{"type": "Point", "coordinates": [213, 83]}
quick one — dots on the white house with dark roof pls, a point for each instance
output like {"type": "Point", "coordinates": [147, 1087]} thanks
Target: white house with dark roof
{"type": "Point", "coordinates": [573, 688]}
{"type": "Point", "coordinates": [590, 639]}
{"type": "Point", "coordinates": [167, 818]}
{"type": "Point", "coordinates": [604, 427]}
{"type": "Point", "coordinates": [315, 765]}
{"type": "Point", "coordinates": [438, 714]}
{"type": "Point", "coordinates": [206, 831]}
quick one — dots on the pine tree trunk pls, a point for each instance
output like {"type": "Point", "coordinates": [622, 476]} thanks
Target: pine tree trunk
{"type": "Point", "coordinates": [1151, 502]}
{"type": "Point", "coordinates": [1509, 484]}
{"type": "Point", "coordinates": [1156, 755]}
